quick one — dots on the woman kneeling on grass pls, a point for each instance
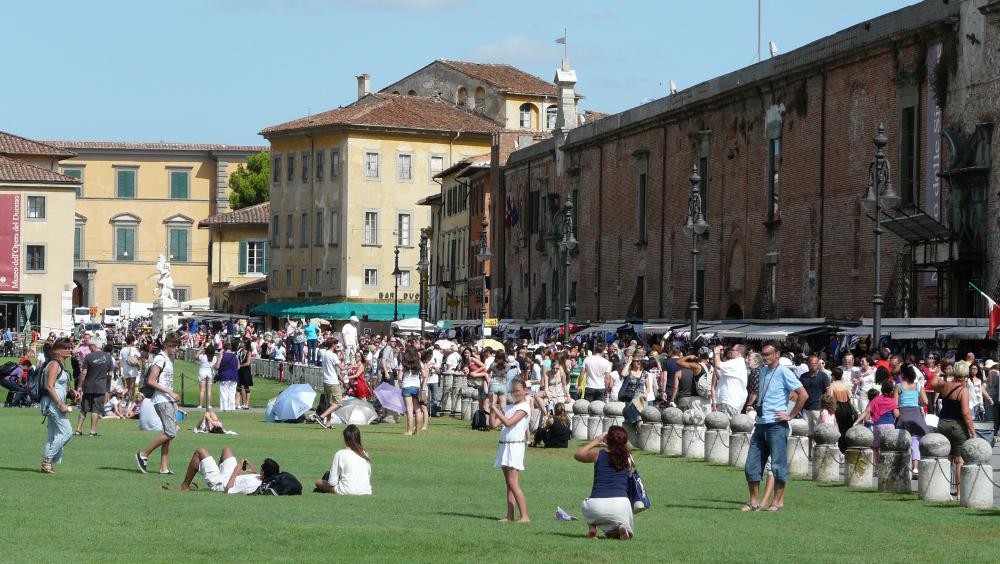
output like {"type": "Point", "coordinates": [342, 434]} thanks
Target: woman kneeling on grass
{"type": "Point", "coordinates": [351, 472]}
{"type": "Point", "coordinates": [608, 506]}
{"type": "Point", "coordinates": [510, 454]}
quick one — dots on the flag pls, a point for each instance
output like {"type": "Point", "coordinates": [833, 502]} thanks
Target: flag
{"type": "Point", "coordinates": [993, 313]}
{"type": "Point", "coordinates": [561, 40]}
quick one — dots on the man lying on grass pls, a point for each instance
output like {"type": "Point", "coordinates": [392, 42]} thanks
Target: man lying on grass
{"type": "Point", "coordinates": [227, 476]}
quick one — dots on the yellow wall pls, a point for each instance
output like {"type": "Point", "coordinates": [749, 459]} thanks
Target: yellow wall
{"type": "Point", "coordinates": [454, 227]}
{"type": "Point", "coordinates": [226, 258]}
{"type": "Point", "coordinates": [152, 204]}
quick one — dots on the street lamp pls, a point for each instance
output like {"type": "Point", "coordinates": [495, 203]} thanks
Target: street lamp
{"type": "Point", "coordinates": [484, 256]}
{"type": "Point", "coordinates": [879, 194]}
{"type": "Point", "coordinates": [695, 226]}
{"type": "Point", "coordinates": [395, 292]}
{"type": "Point", "coordinates": [422, 266]}
{"type": "Point", "coordinates": [567, 246]}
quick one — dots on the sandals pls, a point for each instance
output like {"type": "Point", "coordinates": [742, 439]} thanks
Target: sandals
{"type": "Point", "coordinates": [46, 467]}
{"type": "Point", "coordinates": [95, 434]}
{"type": "Point", "coordinates": [77, 433]}
{"type": "Point", "coordinates": [750, 507]}
{"type": "Point", "coordinates": [774, 508]}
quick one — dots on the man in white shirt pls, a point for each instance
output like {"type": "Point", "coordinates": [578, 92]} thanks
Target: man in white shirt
{"type": "Point", "coordinates": [350, 333]}
{"type": "Point", "coordinates": [597, 372]}
{"type": "Point", "coordinates": [228, 476]}
{"type": "Point", "coordinates": [454, 359]}
{"type": "Point", "coordinates": [729, 383]}
{"type": "Point", "coordinates": [332, 368]}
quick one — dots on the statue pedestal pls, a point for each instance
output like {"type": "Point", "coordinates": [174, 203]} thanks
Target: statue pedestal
{"type": "Point", "coordinates": [164, 318]}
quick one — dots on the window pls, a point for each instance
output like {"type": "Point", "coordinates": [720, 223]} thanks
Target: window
{"type": "Point", "coordinates": [404, 167]}
{"type": "Point", "coordinates": [125, 183]}
{"type": "Point", "coordinates": [288, 278]}
{"type": "Point", "coordinates": [253, 257]}
{"type": "Point", "coordinates": [534, 211]}
{"type": "Point", "coordinates": [290, 231]}
{"type": "Point", "coordinates": [334, 279]}
{"type": "Point", "coordinates": [371, 277]}
{"type": "Point", "coordinates": [182, 294]}
{"type": "Point", "coordinates": [319, 228]}
{"type": "Point", "coordinates": [403, 230]}
{"type": "Point", "coordinates": [463, 97]}
{"type": "Point", "coordinates": [304, 230]}
{"type": "Point", "coordinates": [550, 116]}
{"type": "Point", "coordinates": [334, 227]}
{"type": "Point", "coordinates": [774, 180]}
{"type": "Point", "coordinates": [319, 278]}
{"type": "Point", "coordinates": [371, 165]}
{"type": "Point", "coordinates": [36, 257]}
{"type": "Point", "coordinates": [371, 228]}
{"type": "Point", "coordinates": [76, 173]}
{"type": "Point", "coordinates": [276, 231]}
{"type": "Point", "coordinates": [305, 166]}
{"type": "Point", "coordinates": [125, 243]}
{"type": "Point", "coordinates": [122, 294]}
{"type": "Point", "coordinates": [525, 114]}
{"type": "Point", "coordinates": [437, 164]}
{"type": "Point", "coordinates": [334, 163]}
{"type": "Point", "coordinates": [908, 144]}
{"type": "Point", "coordinates": [78, 242]}
{"type": "Point", "coordinates": [276, 172]}
{"type": "Point", "coordinates": [404, 278]}
{"type": "Point", "coordinates": [320, 164]}
{"type": "Point", "coordinates": [643, 234]}
{"type": "Point", "coordinates": [179, 184]}
{"type": "Point", "coordinates": [36, 207]}
{"type": "Point", "coordinates": [291, 168]}
{"type": "Point", "coordinates": [273, 281]}
{"type": "Point", "coordinates": [703, 187]}
{"type": "Point", "coordinates": [480, 97]}
{"type": "Point", "coordinates": [178, 244]}
{"type": "Point", "coordinates": [303, 278]}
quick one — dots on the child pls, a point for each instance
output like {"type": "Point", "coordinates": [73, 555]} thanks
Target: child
{"type": "Point", "coordinates": [880, 411]}
{"type": "Point", "coordinates": [827, 408]}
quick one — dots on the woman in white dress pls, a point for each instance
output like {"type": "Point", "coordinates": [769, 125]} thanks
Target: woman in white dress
{"type": "Point", "coordinates": [510, 455]}
{"type": "Point", "coordinates": [206, 370]}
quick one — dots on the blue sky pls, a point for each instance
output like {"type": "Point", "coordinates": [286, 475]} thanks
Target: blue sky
{"type": "Point", "coordinates": [218, 71]}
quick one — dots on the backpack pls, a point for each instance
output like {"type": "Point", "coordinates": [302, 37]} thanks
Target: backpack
{"type": "Point", "coordinates": [479, 421]}
{"type": "Point", "coordinates": [144, 388]}
{"type": "Point", "coordinates": [281, 483]}
{"type": "Point", "coordinates": [37, 384]}
{"type": "Point", "coordinates": [6, 369]}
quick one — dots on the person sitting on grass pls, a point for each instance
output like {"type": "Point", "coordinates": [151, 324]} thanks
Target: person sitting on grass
{"type": "Point", "coordinates": [134, 408]}
{"type": "Point", "coordinates": [210, 423]}
{"type": "Point", "coordinates": [351, 471]}
{"type": "Point", "coordinates": [227, 476]}
{"type": "Point", "coordinates": [554, 431]}
{"type": "Point", "coordinates": [115, 406]}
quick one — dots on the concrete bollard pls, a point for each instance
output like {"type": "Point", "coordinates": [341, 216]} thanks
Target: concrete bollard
{"type": "Point", "coordinates": [798, 449]}
{"type": "Point", "coordinates": [649, 433]}
{"type": "Point", "coordinates": [717, 438]}
{"type": "Point", "coordinates": [580, 419]}
{"type": "Point", "coordinates": [858, 458]}
{"type": "Point", "coordinates": [977, 489]}
{"type": "Point", "coordinates": [671, 435]}
{"type": "Point", "coordinates": [693, 435]}
{"type": "Point", "coordinates": [933, 482]}
{"type": "Point", "coordinates": [612, 415]}
{"type": "Point", "coordinates": [826, 455]}
{"type": "Point", "coordinates": [894, 473]}
{"type": "Point", "coordinates": [468, 408]}
{"type": "Point", "coordinates": [740, 428]}
{"type": "Point", "coordinates": [596, 410]}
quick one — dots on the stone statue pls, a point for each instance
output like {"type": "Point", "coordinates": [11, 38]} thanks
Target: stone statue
{"type": "Point", "coordinates": [165, 283]}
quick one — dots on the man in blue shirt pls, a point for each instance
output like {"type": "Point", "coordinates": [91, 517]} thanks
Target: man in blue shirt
{"type": "Point", "coordinates": [778, 385]}
{"type": "Point", "coordinates": [312, 341]}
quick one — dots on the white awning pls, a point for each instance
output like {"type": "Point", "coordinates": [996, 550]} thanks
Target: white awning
{"type": "Point", "coordinates": [963, 333]}
{"type": "Point", "coordinates": [902, 333]}
{"type": "Point", "coordinates": [766, 331]}
{"type": "Point", "coordinates": [602, 328]}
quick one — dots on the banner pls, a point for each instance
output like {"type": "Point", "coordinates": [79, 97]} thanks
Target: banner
{"type": "Point", "coordinates": [10, 242]}
{"type": "Point", "coordinates": [931, 201]}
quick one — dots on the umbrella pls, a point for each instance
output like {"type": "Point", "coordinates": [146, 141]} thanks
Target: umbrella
{"type": "Point", "coordinates": [318, 322]}
{"type": "Point", "coordinates": [445, 344]}
{"type": "Point", "coordinates": [490, 343]}
{"type": "Point", "coordinates": [293, 402]}
{"type": "Point", "coordinates": [356, 411]}
{"type": "Point", "coordinates": [390, 397]}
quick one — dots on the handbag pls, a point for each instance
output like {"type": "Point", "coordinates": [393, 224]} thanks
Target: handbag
{"type": "Point", "coordinates": [637, 495]}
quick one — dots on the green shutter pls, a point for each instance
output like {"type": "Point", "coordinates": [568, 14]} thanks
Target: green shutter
{"type": "Point", "coordinates": [267, 252]}
{"type": "Point", "coordinates": [178, 184]}
{"type": "Point", "coordinates": [179, 245]}
{"type": "Point", "coordinates": [126, 184]}
{"type": "Point", "coordinates": [120, 243]}
{"type": "Point", "coordinates": [77, 243]}
{"type": "Point", "coordinates": [77, 174]}
{"type": "Point", "coordinates": [243, 257]}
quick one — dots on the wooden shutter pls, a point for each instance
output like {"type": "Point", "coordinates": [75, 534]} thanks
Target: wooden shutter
{"type": "Point", "coordinates": [266, 251]}
{"type": "Point", "coordinates": [179, 185]}
{"type": "Point", "coordinates": [126, 183]}
{"type": "Point", "coordinates": [243, 257]}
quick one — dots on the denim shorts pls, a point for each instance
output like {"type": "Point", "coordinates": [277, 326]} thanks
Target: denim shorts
{"type": "Point", "coordinates": [411, 392]}
{"type": "Point", "coordinates": [768, 441]}
{"type": "Point", "coordinates": [498, 389]}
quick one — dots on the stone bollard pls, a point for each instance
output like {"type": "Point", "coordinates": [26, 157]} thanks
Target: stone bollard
{"type": "Point", "coordinates": [469, 406]}
{"type": "Point", "coordinates": [717, 438]}
{"type": "Point", "coordinates": [693, 436]}
{"type": "Point", "coordinates": [649, 432]}
{"type": "Point", "coordinates": [894, 473]}
{"type": "Point", "coordinates": [977, 489]}
{"type": "Point", "coordinates": [740, 427]}
{"type": "Point", "coordinates": [933, 480]}
{"type": "Point", "coordinates": [826, 455]}
{"type": "Point", "coordinates": [858, 458]}
{"type": "Point", "coordinates": [612, 415]}
{"type": "Point", "coordinates": [798, 449]}
{"type": "Point", "coordinates": [580, 419]}
{"type": "Point", "coordinates": [596, 409]}
{"type": "Point", "coordinates": [671, 443]}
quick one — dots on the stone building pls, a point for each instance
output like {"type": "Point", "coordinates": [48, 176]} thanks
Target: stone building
{"type": "Point", "coordinates": [783, 148]}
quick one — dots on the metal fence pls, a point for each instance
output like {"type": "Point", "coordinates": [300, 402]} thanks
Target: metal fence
{"type": "Point", "coordinates": [271, 370]}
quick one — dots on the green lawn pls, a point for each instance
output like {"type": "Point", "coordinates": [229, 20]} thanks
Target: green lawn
{"type": "Point", "coordinates": [436, 499]}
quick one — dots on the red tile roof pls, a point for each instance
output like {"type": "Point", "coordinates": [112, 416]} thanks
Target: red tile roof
{"type": "Point", "coordinates": [130, 146]}
{"type": "Point", "coordinates": [13, 170]}
{"type": "Point", "coordinates": [259, 214]}
{"type": "Point", "coordinates": [395, 111]}
{"type": "Point", "coordinates": [11, 144]}
{"type": "Point", "coordinates": [505, 77]}
{"type": "Point", "coordinates": [591, 116]}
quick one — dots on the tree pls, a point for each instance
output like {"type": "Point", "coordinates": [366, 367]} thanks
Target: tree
{"type": "Point", "coordinates": [251, 185]}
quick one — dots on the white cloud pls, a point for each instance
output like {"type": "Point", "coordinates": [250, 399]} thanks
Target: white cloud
{"type": "Point", "coordinates": [516, 49]}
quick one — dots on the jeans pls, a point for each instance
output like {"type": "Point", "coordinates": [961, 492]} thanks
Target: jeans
{"type": "Point", "coordinates": [593, 395]}
{"type": "Point", "coordinates": [60, 431]}
{"type": "Point", "coordinates": [768, 440]}
{"type": "Point", "coordinates": [435, 392]}
{"type": "Point", "coordinates": [299, 350]}
{"type": "Point", "coordinates": [313, 346]}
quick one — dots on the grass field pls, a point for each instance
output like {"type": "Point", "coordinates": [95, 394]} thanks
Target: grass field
{"type": "Point", "coordinates": [436, 499]}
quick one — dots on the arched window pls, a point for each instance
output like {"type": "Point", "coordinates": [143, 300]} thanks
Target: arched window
{"type": "Point", "coordinates": [395, 92]}
{"type": "Point", "coordinates": [411, 93]}
{"type": "Point", "coordinates": [463, 97]}
{"type": "Point", "coordinates": [480, 97]}
{"type": "Point", "coordinates": [525, 114]}
{"type": "Point", "coordinates": [550, 117]}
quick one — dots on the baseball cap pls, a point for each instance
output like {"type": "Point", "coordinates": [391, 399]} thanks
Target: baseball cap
{"type": "Point", "coordinates": [990, 363]}
{"type": "Point", "coordinates": [355, 318]}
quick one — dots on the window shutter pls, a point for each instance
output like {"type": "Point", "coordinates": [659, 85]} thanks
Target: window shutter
{"type": "Point", "coordinates": [265, 251]}
{"type": "Point", "coordinates": [182, 240]}
{"type": "Point", "coordinates": [120, 247]}
{"type": "Point", "coordinates": [243, 257]}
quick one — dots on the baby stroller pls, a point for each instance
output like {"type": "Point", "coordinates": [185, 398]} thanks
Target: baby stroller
{"type": "Point", "coordinates": [13, 378]}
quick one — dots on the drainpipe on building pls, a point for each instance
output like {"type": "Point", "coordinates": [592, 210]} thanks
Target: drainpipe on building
{"type": "Point", "coordinates": [822, 192]}
{"type": "Point", "coordinates": [312, 200]}
{"type": "Point", "coordinates": [663, 215]}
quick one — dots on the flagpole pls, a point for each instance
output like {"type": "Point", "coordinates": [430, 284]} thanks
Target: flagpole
{"type": "Point", "coordinates": [980, 291]}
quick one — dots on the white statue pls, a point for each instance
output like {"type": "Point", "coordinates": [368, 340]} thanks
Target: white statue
{"type": "Point", "coordinates": [165, 283]}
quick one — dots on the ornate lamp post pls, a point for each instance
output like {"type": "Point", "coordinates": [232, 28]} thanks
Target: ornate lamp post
{"type": "Point", "coordinates": [422, 267]}
{"type": "Point", "coordinates": [484, 256]}
{"type": "Point", "coordinates": [396, 272]}
{"type": "Point", "coordinates": [567, 246]}
{"type": "Point", "coordinates": [695, 226]}
{"type": "Point", "coordinates": [878, 196]}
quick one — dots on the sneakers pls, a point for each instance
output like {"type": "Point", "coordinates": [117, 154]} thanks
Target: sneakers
{"type": "Point", "coordinates": [167, 473]}
{"type": "Point", "coordinates": [141, 462]}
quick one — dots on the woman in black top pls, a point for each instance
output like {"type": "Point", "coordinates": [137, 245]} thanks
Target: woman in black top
{"type": "Point", "coordinates": [954, 419]}
{"type": "Point", "coordinates": [245, 374]}
{"type": "Point", "coordinates": [555, 432]}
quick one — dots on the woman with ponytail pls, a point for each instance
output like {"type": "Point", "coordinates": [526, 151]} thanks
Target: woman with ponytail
{"type": "Point", "coordinates": [608, 507]}
{"type": "Point", "coordinates": [351, 471]}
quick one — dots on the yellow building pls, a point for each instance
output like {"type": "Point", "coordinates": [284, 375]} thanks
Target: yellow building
{"type": "Point", "coordinates": [237, 259]}
{"type": "Point", "coordinates": [36, 225]}
{"type": "Point", "coordinates": [141, 200]}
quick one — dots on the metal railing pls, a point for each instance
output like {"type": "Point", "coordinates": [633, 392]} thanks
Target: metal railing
{"type": "Point", "coordinates": [84, 265]}
{"type": "Point", "coordinates": [286, 372]}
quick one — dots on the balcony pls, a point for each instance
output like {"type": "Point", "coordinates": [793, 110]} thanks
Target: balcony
{"type": "Point", "coordinates": [90, 265]}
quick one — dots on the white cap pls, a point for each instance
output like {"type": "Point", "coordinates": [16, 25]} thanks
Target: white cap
{"type": "Point", "coordinates": [354, 318]}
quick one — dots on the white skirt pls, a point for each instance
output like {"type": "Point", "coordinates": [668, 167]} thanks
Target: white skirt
{"type": "Point", "coordinates": [510, 455]}
{"type": "Point", "coordinates": [607, 513]}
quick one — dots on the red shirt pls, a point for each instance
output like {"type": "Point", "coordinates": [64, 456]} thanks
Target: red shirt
{"type": "Point", "coordinates": [883, 364]}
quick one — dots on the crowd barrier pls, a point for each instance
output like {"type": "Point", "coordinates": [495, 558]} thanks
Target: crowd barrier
{"type": "Point", "coordinates": [286, 372]}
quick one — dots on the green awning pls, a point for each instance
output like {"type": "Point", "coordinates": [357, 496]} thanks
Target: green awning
{"type": "Point", "coordinates": [336, 310]}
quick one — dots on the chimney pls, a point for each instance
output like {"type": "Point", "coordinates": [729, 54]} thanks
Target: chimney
{"type": "Point", "coordinates": [364, 85]}
{"type": "Point", "coordinates": [566, 117]}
